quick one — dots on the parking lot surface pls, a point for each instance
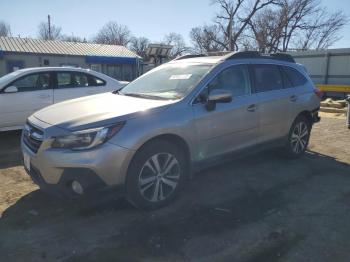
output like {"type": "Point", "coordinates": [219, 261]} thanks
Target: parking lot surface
{"type": "Point", "coordinates": [258, 208]}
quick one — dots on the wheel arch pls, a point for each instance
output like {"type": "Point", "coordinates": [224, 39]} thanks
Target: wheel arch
{"type": "Point", "coordinates": [174, 139]}
{"type": "Point", "coordinates": [307, 114]}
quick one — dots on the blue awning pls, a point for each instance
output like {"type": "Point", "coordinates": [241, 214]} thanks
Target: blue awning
{"type": "Point", "coordinates": [1, 54]}
{"type": "Point", "coordinates": [110, 60]}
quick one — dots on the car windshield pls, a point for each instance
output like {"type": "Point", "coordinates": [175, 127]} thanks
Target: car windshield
{"type": "Point", "coordinates": [170, 82]}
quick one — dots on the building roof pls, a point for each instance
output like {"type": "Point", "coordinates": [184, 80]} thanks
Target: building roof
{"type": "Point", "coordinates": [54, 47]}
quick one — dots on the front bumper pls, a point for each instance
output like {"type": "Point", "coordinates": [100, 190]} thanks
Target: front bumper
{"type": "Point", "coordinates": [90, 182]}
{"type": "Point", "coordinates": [53, 170]}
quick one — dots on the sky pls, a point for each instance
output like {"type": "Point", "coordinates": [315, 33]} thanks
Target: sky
{"type": "Point", "coordinates": [149, 18]}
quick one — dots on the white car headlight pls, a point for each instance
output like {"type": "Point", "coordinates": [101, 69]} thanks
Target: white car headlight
{"type": "Point", "coordinates": [86, 139]}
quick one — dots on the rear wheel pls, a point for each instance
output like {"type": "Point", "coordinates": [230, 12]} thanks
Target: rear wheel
{"type": "Point", "coordinates": [298, 138]}
{"type": "Point", "coordinates": [155, 175]}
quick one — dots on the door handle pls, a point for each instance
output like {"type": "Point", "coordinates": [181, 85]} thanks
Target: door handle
{"type": "Point", "coordinates": [251, 108]}
{"type": "Point", "coordinates": [293, 98]}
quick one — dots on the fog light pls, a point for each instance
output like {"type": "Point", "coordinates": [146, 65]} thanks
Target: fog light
{"type": "Point", "coordinates": [77, 187]}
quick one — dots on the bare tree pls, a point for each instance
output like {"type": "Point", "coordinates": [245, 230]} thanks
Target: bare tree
{"type": "Point", "coordinates": [231, 23]}
{"type": "Point", "coordinates": [48, 31]}
{"type": "Point", "coordinates": [113, 33]}
{"type": "Point", "coordinates": [139, 45]}
{"type": "Point", "coordinates": [206, 39]}
{"type": "Point", "coordinates": [296, 24]}
{"type": "Point", "coordinates": [234, 17]}
{"type": "Point", "coordinates": [267, 29]}
{"type": "Point", "coordinates": [294, 13]}
{"type": "Point", "coordinates": [178, 43]}
{"type": "Point", "coordinates": [323, 31]}
{"type": "Point", "coordinates": [5, 29]}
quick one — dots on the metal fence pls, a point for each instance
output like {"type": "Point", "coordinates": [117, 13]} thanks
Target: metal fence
{"type": "Point", "coordinates": [329, 69]}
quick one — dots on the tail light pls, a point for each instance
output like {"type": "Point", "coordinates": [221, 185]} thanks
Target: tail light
{"type": "Point", "coordinates": [319, 93]}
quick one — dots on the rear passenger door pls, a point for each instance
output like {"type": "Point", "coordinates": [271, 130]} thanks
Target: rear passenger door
{"type": "Point", "coordinates": [273, 105]}
{"type": "Point", "coordinates": [70, 85]}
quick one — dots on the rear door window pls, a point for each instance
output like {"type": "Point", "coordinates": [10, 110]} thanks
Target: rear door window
{"type": "Point", "coordinates": [294, 76]}
{"type": "Point", "coordinates": [267, 78]}
{"type": "Point", "coordinates": [76, 79]}
{"type": "Point", "coordinates": [64, 80]}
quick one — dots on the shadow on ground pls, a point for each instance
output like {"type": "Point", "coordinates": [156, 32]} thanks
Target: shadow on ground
{"type": "Point", "coordinates": [10, 151]}
{"type": "Point", "coordinates": [217, 204]}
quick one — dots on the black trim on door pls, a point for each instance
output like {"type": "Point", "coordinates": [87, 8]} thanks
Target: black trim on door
{"type": "Point", "coordinates": [252, 79]}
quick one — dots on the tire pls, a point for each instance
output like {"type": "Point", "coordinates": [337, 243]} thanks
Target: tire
{"type": "Point", "coordinates": [155, 175]}
{"type": "Point", "coordinates": [298, 138]}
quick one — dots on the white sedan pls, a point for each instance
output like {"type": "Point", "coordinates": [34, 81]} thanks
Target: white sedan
{"type": "Point", "coordinates": [27, 90]}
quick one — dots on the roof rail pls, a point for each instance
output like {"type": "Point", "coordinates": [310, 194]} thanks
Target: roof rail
{"type": "Point", "coordinates": [283, 56]}
{"type": "Point", "coordinates": [188, 56]}
{"type": "Point", "coordinates": [255, 54]}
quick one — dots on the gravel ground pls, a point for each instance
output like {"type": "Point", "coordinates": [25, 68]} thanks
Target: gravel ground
{"type": "Point", "coordinates": [260, 208]}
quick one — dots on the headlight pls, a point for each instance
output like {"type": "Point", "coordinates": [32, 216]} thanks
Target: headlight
{"type": "Point", "coordinates": [87, 139]}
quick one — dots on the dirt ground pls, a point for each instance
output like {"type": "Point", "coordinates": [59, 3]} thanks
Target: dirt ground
{"type": "Point", "coordinates": [260, 208]}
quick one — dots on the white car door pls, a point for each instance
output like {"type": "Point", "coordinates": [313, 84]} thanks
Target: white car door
{"type": "Point", "coordinates": [24, 96]}
{"type": "Point", "coordinates": [71, 84]}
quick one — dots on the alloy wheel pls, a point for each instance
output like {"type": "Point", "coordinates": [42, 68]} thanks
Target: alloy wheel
{"type": "Point", "coordinates": [299, 137]}
{"type": "Point", "coordinates": [159, 177]}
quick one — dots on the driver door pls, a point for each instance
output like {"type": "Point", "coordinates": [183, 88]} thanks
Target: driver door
{"type": "Point", "coordinates": [34, 91]}
{"type": "Point", "coordinates": [230, 126]}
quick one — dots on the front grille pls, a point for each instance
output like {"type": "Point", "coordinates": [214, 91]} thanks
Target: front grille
{"type": "Point", "coordinates": [32, 137]}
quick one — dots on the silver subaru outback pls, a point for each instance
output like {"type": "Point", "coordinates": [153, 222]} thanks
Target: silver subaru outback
{"type": "Point", "coordinates": [180, 117]}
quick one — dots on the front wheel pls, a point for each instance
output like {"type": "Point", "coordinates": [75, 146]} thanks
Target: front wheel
{"type": "Point", "coordinates": [155, 175]}
{"type": "Point", "coordinates": [298, 138]}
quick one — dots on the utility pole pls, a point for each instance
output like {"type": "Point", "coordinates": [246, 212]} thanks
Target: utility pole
{"type": "Point", "coordinates": [49, 24]}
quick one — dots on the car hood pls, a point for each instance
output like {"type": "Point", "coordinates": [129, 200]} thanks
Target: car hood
{"type": "Point", "coordinates": [98, 110]}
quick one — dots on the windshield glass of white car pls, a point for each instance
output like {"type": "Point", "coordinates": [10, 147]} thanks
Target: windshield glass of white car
{"type": "Point", "coordinates": [167, 82]}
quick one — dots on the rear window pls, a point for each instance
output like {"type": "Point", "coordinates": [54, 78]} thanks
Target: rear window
{"type": "Point", "coordinates": [267, 78]}
{"type": "Point", "coordinates": [294, 77]}
{"type": "Point", "coordinates": [77, 79]}
{"type": "Point", "coordinates": [95, 81]}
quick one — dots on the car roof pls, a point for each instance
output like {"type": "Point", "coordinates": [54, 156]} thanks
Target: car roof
{"type": "Point", "coordinates": [53, 68]}
{"type": "Point", "coordinates": [64, 68]}
{"type": "Point", "coordinates": [22, 72]}
{"type": "Point", "coordinates": [241, 56]}
{"type": "Point", "coordinates": [200, 60]}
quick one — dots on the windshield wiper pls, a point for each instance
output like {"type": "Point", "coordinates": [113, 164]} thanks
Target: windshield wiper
{"type": "Point", "coordinates": [140, 95]}
{"type": "Point", "coordinates": [117, 92]}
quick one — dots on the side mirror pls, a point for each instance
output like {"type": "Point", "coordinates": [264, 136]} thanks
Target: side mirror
{"type": "Point", "coordinates": [218, 96]}
{"type": "Point", "coordinates": [11, 89]}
